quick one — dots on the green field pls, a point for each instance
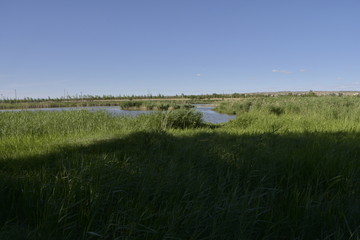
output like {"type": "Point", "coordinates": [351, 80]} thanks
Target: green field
{"type": "Point", "coordinates": [285, 168]}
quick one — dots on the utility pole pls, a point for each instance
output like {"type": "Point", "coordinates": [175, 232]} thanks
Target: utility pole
{"type": "Point", "coordinates": [15, 95]}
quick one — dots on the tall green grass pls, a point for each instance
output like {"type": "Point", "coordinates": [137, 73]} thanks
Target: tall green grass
{"type": "Point", "coordinates": [295, 114]}
{"type": "Point", "coordinates": [126, 105]}
{"type": "Point", "coordinates": [268, 174]}
{"type": "Point", "coordinates": [327, 106]}
{"type": "Point", "coordinates": [57, 104]}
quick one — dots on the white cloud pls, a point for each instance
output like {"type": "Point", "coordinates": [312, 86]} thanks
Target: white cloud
{"type": "Point", "coordinates": [280, 71]}
{"type": "Point", "coordinates": [302, 70]}
{"type": "Point", "coordinates": [198, 74]}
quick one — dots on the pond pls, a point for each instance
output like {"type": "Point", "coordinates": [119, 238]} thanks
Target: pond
{"type": "Point", "coordinates": [209, 115]}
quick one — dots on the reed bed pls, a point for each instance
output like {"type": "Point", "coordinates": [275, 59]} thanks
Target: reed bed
{"type": "Point", "coordinates": [126, 105]}
{"type": "Point", "coordinates": [268, 174]}
{"type": "Point", "coordinates": [153, 105]}
{"type": "Point", "coordinates": [57, 104]}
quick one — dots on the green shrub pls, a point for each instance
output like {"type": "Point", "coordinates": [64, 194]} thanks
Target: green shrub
{"type": "Point", "coordinates": [181, 118]}
{"type": "Point", "coordinates": [130, 104]}
{"type": "Point", "coordinates": [276, 110]}
{"type": "Point", "coordinates": [234, 107]}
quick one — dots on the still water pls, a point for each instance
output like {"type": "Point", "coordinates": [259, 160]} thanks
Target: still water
{"type": "Point", "coordinates": [211, 116]}
{"type": "Point", "coordinates": [206, 109]}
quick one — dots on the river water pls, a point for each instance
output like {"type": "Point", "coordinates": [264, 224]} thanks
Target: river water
{"type": "Point", "coordinates": [208, 114]}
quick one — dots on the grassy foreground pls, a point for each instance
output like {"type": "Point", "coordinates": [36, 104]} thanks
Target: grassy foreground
{"type": "Point", "coordinates": [268, 174]}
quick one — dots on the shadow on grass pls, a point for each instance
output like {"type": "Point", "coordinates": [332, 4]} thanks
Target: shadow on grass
{"type": "Point", "coordinates": [152, 185]}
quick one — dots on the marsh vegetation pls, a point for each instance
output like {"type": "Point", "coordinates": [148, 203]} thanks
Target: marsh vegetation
{"type": "Point", "coordinates": [285, 168]}
{"type": "Point", "coordinates": [153, 105]}
{"type": "Point", "coordinates": [126, 105]}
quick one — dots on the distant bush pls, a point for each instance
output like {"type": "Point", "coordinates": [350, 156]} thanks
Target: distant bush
{"type": "Point", "coordinates": [245, 107]}
{"type": "Point", "coordinates": [276, 110]}
{"type": "Point", "coordinates": [163, 106]}
{"type": "Point", "coordinates": [171, 119]}
{"type": "Point", "coordinates": [181, 118]}
{"type": "Point", "coordinates": [130, 104]}
{"type": "Point", "coordinates": [151, 105]}
{"type": "Point", "coordinates": [234, 107]}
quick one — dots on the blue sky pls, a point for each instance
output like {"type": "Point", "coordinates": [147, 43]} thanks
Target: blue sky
{"type": "Point", "coordinates": [177, 46]}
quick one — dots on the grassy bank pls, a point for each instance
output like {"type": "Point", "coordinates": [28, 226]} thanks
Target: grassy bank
{"type": "Point", "coordinates": [165, 104]}
{"type": "Point", "coordinates": [269, 174]}
{"type": "Point", "coordinates": [306, 106]}
{"type": "Point", "coordinates": [59, 104]}
{"type": "Point", "coordinates": [153, 105]}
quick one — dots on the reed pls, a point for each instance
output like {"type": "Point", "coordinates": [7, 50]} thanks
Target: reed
{"type": "Point", "coordinates": [153, 105]}
{"type": "Point", "coordinates": [126, 105]}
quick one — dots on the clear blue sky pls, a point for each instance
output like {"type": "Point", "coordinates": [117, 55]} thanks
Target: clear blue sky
{"type": "Point", "coordinates": [177, 46]}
